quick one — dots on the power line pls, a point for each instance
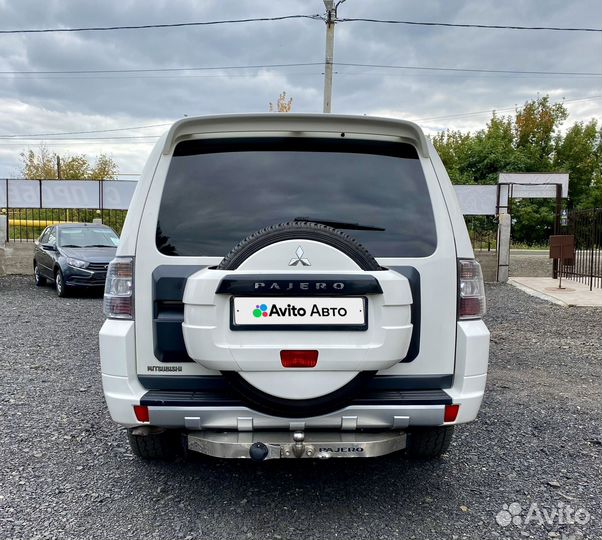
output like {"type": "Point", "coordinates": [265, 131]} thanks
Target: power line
{"type": "Point", "coordinates": [149, 26]}
{"type": "Point", "coordinates": [62, 144]}
{"type": "Point", "coordinates": [161, 70]}
{"type": "Point", "coordinates": [299, 64]}
{"type": "Point", "coordinates": [469, 70]}
{"type": "Point", "coordinates": [315, 17]}
{"type": "Point", "coordinates": [461, 25]}
{"type": "Point", "coordinates": [474, 113]}
{"type": "Point", "coordinates": [56, 135]}
{"type": "Point", "coordinates": [85, 132]}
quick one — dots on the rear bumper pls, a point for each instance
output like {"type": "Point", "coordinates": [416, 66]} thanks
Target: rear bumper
{"type": "Point", "coordinates": [223, 411]}
{"type": "Point", "coordinates": [205, 411]}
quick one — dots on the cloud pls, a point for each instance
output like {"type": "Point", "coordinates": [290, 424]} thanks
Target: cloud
{"type": "Point", "coordinates": [72, 103]}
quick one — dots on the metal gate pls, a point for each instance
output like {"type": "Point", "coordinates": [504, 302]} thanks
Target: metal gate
{"type": "Point", "coordinates": [586, 227]}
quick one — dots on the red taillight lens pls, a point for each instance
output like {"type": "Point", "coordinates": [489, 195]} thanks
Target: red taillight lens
{"type": "Point", "coordinates": [118, 300]}
{"type": "Point", "coordinates": [471, 293]}
{"type": "Point", "coordinates": [451, 413]}
{"type": "Point", "coordinates": [141, 412]}
{"type": "Point", "coordinates": [299, 359]}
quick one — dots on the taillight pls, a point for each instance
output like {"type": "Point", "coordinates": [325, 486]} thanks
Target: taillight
{"type": "Point", "coordinates": [119, 289]}
{"type": "Point", "coordinates": [471, 293]}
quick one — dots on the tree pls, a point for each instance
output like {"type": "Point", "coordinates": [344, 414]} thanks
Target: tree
{"type": "Point", "coordinates": [535, 128]}
{"type": "Point", "coordinates": [531, 141]}
{"type": "Point", "coordinates": [579, 153]}
{"type": "Point", "coordinates": [42, 164]}
{"type": "Point", "coordinates": [282, 105]}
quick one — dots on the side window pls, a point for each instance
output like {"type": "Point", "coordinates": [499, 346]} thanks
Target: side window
{"type": "Point", "coordinates": [44, 236]}
{"type": "Point", "coordinates": [51, 236]}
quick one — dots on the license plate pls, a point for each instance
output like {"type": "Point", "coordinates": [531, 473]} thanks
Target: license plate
{"type": "Point", "coordinates": [299, 313]}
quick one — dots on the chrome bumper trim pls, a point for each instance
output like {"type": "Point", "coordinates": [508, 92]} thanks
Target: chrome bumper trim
{"type": "Point", "coordinates": [261, 446]}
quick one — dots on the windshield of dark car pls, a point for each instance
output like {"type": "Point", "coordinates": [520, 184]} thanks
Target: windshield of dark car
{"type": "Point", "coordinates": [217, 192]}
{"type": "Point", "coordinates": [87, 237]}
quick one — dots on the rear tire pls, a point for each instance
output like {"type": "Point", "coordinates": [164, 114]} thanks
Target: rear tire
{"type": "Point", "coordinates": [153, 443]}
{"type": "Point", "coordinates": [429, 443]}
{"type": "Point", "coordinates": [39, 279]}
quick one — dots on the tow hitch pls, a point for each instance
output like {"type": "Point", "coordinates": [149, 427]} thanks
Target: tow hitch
{"type": "Point", "coordinates": [260, 446]}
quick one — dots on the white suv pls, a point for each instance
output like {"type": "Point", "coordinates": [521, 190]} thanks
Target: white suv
{"type": "Point", "coordinates": [293, 285]}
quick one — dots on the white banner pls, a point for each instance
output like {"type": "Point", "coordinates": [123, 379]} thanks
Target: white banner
{"type": "Point", "coordinates": [477, 200]}
{"type": "Point", "coordinates": [70, 194]}
{"type": "Point", "coordinates": [117, 194]}
{"type": "Point", "coordinates": [536, 178]}
{"type": "Point", "coordinates": [66, 194]}
{"type": "Point", "coordinates": [23, 194]}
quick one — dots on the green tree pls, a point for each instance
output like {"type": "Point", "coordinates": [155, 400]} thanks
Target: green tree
{"type": "Point", "coordinates": [529, 141]}
{"type": "Point", "coordinates": [453, 148]}
{"type": "Point", "coordinates": [536, 126]}
{"type": "Point", "coordinates": [42, 165]}
{"type": "Point", "coordinates": [578, 152]}
{"type": "Point", "coordinates": [477, 158]}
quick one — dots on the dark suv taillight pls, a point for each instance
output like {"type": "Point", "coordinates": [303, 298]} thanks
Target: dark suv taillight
{"type": "Point", "coordinates": [471, 291]}
{"type": "Point", "coordinates": [119, 289]}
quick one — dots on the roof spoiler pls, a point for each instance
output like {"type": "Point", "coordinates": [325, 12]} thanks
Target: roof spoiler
{"type": "Point", "coordinates": [297, 124]}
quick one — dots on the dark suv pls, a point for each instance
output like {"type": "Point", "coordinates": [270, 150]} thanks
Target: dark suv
{"type": "Point", "coordinates": [74, 255]}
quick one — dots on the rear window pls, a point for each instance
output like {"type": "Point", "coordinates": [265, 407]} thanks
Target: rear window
{"type": "Point", "coordinates": [218, 192]}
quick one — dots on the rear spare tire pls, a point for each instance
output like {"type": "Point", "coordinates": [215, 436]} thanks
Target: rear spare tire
{"type": "Point", "coordinates": [298, 230]}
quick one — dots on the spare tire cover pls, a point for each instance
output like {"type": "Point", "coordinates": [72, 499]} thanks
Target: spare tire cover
{"type": "Point", "coordinates": [302, 392]}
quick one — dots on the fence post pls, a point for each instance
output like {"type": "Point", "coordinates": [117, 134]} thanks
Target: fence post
{"type": "Point", "coordinates": [101, 197]}
{"type": "Point", "coordinates": [3, 228]}
{"type": "Point", "coordinates": [7, 213]}
{"type": "Point", "coordinates": [503, 247]}
{"type": "Point", "coordinates": [591, 247]}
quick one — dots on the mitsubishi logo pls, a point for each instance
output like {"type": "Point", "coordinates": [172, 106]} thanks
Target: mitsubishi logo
{"type": "Point", "coordinates": [299, 258]}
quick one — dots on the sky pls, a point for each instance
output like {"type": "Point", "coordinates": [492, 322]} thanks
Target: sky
{"type": "Point", "coordinates": [51, 103]}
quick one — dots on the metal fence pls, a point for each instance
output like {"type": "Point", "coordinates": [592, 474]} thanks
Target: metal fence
{"type": "Point", "coordinates": [26, 224]}
{"type": "Point", "coordinates": [586, 227]}
{"type": "Point", "coordinates": [482, 231]}
{"type": "Point", "coordinates": [28, 206]}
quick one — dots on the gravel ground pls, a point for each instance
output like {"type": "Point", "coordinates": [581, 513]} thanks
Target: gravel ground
{"type": "Point", "coordinates": [67, 471]}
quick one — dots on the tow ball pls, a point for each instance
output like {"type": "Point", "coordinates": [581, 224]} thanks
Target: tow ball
{"type": "Point", "coordinates": [298, 447]}
{"type": "Point", "coordinates": [260, 451]}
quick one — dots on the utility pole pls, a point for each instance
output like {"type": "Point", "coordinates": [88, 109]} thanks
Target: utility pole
{"type": "Point", "coordinates": [58, 167]}
{"type": "Point", "coordinates": [331, 15]}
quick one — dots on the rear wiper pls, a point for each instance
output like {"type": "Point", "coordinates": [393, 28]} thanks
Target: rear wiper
{"type": "Point", "coordinates": [97, 245]}
{"type": "Point", "coordinates": [341, 224]}
{"type": "Point", "coordinates": [70, 245]}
